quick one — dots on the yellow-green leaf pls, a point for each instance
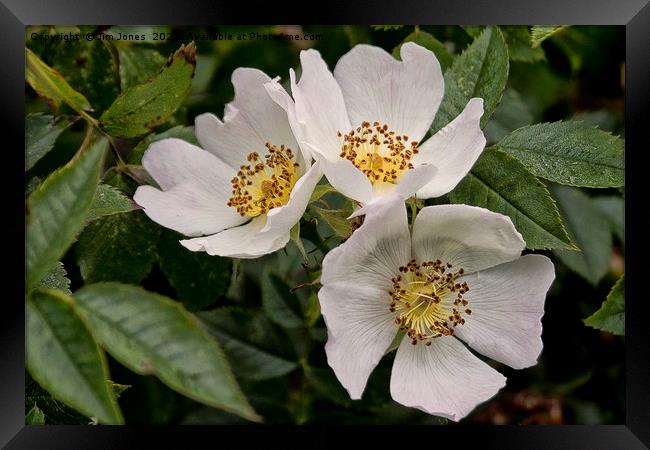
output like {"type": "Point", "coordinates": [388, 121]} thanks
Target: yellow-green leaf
{"type": "Point", "coordinates": [51, 85]}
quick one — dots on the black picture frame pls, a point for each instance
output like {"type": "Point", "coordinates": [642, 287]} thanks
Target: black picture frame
{"type": "Point", "coordinates": [633, 14]}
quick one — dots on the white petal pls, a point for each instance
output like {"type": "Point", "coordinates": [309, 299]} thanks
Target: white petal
{"type": "Point", "coordinates": [507, 303]}
{"type": "Point", "coordinates": [251, 120]}
{"type": "Point", "coordinates": [410, 182]}
{"type": "Point", "coordinates": [238, 242]}
{"type": "Point", "coordinates": [414, 179]}
{"type": "Point", "coordinates": [360, 329]}
{"type": "Point", "coordinates": [466, 236]}
{"type": "Point", "coordinates": [403, 94]}
{"type": "Point", "coordinates": [280, 220]}
{"type": "Point", "coordinates": [195, 189]}
{"type": "Point", "coordinates": [374, 252]}
{"type": "Point", "coordinates": [453, 150]}
{"type": "Point", "coordinates": [319, 104]}
{"type": "Point", "coordinates": [344, 176]}
{"type": "Point", "coordinates": [284, 100]}
{"type": "Point", "coordinates": [443, 379]}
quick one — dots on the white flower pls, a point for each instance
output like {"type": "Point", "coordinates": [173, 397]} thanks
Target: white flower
{"type": "Point", "coordinates": [458, 277]}
{"type": "Point", "coordinates": [245, 191]}
{"type": "Point", "coordinates": [365, 123]}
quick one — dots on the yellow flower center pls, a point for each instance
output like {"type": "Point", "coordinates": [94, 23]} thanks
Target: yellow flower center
{"type": "Point", "coordinates": [429, 302]}
{"type": "Point", "coordinates": [265, 183]}
{"type": "Point", "coordinates": [378, 152]}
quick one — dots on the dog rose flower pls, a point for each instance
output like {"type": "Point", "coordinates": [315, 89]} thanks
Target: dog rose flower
{"type": "Point", "coordinates": [242, 192]}
{"type": "Point", "coordinates": [365, 123]}
{"type": "Point", "coordinates": [458, 278]}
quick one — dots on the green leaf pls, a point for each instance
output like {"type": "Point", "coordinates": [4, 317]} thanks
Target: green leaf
{"type": "Point", "coordinates": [118, 389]}
{"type": "Point", "coordinates": [50, 84]}
{"type": "Point", "coordinates": [320, 190]}
{"type": "Point", "coordinates": [386, 27]}
{"type": "Point", "coordinates": [65, 359]}
{"type": "Point", "coordinates": [121, 247]}
{"type": "Point", "coordinates": [324, 381]}
{"type": "Point", "coordinates": [570, 153]}
{"type": "Point", "coordinates": [35, 416]}
{"type": "Point", "coordinates": [255, 347]}
{"type": "Point", "coordinates": [294, 234]}
{"type": "Point", "coordinates": [108, 201]}
{"type": "Point", "coordinates": [138, 65]}
{"type": "Point", "coordinates": [519, 48]}
{"type": "Point", "coordinates": [57, 278]}
{"type": "Point", "coordinates": [426, 40]}
{"type": "Point", "coordinates": [55, 411]}
{"type": "Point", "coordinates": [57, 210]}
{"type": "Point", "coordinates": [152, 334]}
{"type": "Point", "coordinates": [613, 209]}
{"type": "Point", "coordinates": [337, 219]}
{"type": "Point", "coordinates": [588, 229]}
{"type": "Point", "coordinates": [89, 67]}
{"type": "Point", "coordinates": [502, 184]}
{"type": "Point", "coordinates": [41, 132]}
{"type": "Point", "coordinates": [539, 34]}
{"type": "Point", "coordinates": [142, 107]}
{"type": "Point", "coordinates": [180, 132]}
{"type": "Point", "coordinates": [512, 113]}
{"type": "Point", "coordinates": [281, 305]}
{"type": "Point", "coordinates": [198, 278]}
{"type": "Point", "coordinates": [611, 315]}
{"type": "Point", "coordinates": [480, 71]}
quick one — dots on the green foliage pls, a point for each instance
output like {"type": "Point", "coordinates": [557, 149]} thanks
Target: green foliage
{"type": "Point", "coordinates": [138, 65]}
{"type": "Point", "coordinates": [279, 303]}
{"type": "Point", "coordinates": [198, 278]}
{"type": "Point", "coordinates": [611, 315]}
{"type": "Point", "coordinates": [108, 201]}
{"type": "Point", "coordinates": [180, 132]}
{"type": "Point", "coordinates": [135, 327]}
{"type": "Point", "coordinates": [89, 67]}
{"type": "Point", "coordinates": [519, 45]}
{"type": "Point", "coordinates": [512, 113]}
{"type": "Point", "coordinates": [613, 208]}
{"type": "Point", "coordinates": [539, 34]}
{"type": "Point", "coordinates": [502, 184]}
{"type": "Point", "coordinates": [336, 219]}
{"type": "Point", "coordinates": [570, 153]}
{"type": "Point", "coordinates": [320, 190]}
{"type": "Point", "coordinates": [142, 107]}
{"type": "Point", "coordinates": [120, 247]}
{"type": "Point", "coordinates": [54, 411]}
{"type": "Point", "coordinates": [62, 356]}
{"type": "Point", "coordinates": [57, 278]}
{"type": "Point", "coordinates": [35, 416]}
{"type": "Point", "coordinates": [480, 71]}
{"type": "Point", "coordinates": [41, 131]}
{"type": "Point", "coordinates": [51, 85]}
{"type": "Point", "coordinates": [588, 229]}
{"type": "Point", "coordinates": [57, 210]}
{"type": "Point", "coordinates": [429, 42]}
{"type": "Point", "coordinates": [256, 347]}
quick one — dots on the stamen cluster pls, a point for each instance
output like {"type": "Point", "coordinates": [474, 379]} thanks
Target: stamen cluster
{"type": "Point", "coordinates": [378, 152]}
{"type": "Point", "coordinates": [265, 183]}
{"type": "Point", "coordinates": [429, 300]}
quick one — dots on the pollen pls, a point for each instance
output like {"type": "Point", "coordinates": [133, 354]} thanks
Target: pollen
{"type": "Point", "coordinates": [264, 182]}
{"type": "Point", "coordinates": [429, 300]}
{"type": "Point", "coordinates": [378, 152]}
